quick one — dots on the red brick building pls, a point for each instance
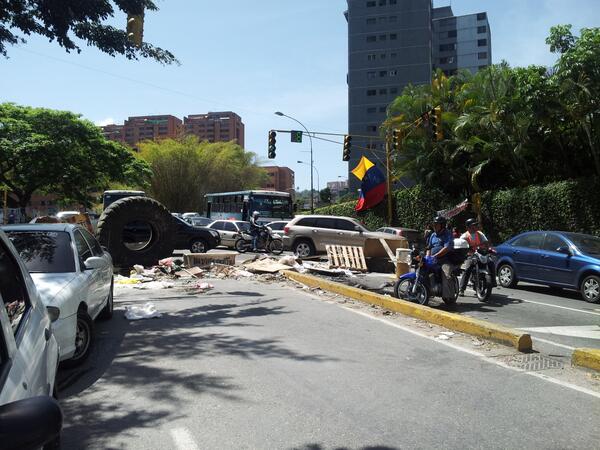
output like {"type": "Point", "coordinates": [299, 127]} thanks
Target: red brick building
{"type": "Point", "coordinates": [142, 128]}
{"type": "Point", "coordinates": [215, 127]}
{"type": "Point", "coordinates": [280, 179]}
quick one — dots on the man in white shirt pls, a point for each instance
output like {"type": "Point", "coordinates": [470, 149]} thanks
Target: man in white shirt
{"type": "Point", "coordinates": [476, 239]}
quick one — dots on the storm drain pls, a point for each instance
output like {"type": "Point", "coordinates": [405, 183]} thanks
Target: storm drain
{"type": "Point", "coordinates": [534, 362]}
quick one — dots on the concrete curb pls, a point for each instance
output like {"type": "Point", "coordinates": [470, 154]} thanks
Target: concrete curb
{"type": "Point", "coordinates": [586, 357]}
{"type": "Point", "coordinates": [521, 341]}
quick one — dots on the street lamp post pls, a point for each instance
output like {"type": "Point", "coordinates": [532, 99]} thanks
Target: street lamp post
{"type": "Point", "coordinates": [312, 205]}
{"type": "Point", "coordinates": [318, 177]}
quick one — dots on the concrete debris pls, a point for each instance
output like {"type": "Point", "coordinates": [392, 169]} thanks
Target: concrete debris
{"type": "Point", "coordinates": [266, 266]}
{"type": "Point", "coordinates": [288, 260]}
{"type": "Point", "coordinates": [203, 287]}
{"type": "Point", "coordinates": [146, 311]}
{"type": "Point", "coordinates": [192, 272]}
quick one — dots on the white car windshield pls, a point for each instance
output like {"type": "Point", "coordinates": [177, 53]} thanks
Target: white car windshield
{"type": "Point", "coordinates": [44, 251]}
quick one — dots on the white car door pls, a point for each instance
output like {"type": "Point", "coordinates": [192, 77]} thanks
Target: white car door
{"type": "Point", "coordinates": [106, 272]}
{"type": "Point", "coordinates": [90, 279]}
{"type": "Point", "coordinates": [27, 337]}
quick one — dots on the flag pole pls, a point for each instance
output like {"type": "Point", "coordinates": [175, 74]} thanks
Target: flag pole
{"type": "Point", "coordinates": [388, 160]}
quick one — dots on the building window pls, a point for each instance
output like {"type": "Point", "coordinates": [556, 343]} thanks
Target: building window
{"type": "Point", "coordinates": [481, 16]}
{"type": "Point", "coordinates": [393, 19]}
{"type": "Point", "coordinates": [482, 55]}
{"type": "Point", "coordinates": [371, 38]}
{"type": "Point", "coordinates": [482, 29]}
{"type": "Point", "coordinates": [382, 109]}
{"type": "Point", "coordinates": [382, 91]}
{"type": "Point", "coordinates": [371, 110]}
{"type": "Point", "coordinates": [372, 128]}
{"type": "Point", "coordinates": [383, 19]}
{"type": "Point", "coordinates": [452, 33]}
{"type": "Point", "coordinates": [392, 2]}
{"type": "Point", "coordinates": [371, 21]}
{"type": "Point", "coordinates": [371, 92]}
{"type": "Point", "coordinates": [382, 2]}
{"type": "Point", "coordinates": [393, 55]}
{"type": "Point", "coordinates": [383, 73]}
{"type": "Point", "coordinates": [382, 56]}
{"type": "Point", "coordinates": [482, 42]}
{"type": "Point", "coordinates": [370, 4]}
{"type": "Point", "coordinates": [371, 57]}
{"type": "Point", "coordinates": [393, 37]}
{"type": "Point", "coordinates": [371, 74]}
{"type": "Point", "coordinates": [393, 90]}
{"type": "Point", "coordinates": [393, 73]}
{"type": "Point", "coordinates": [447, 47]}
{"type": "Point", "coordinates": [383, 37]}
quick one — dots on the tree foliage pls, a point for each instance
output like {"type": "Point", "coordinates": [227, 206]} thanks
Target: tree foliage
{"type": "Point", "coordinates": [185, 170]}
{"type": "Point", "coordinates": [58, 152]}
{"type": "Point", "coordinates": [507, 127]}
{"type": "Point", "coordinates": [64, 20]}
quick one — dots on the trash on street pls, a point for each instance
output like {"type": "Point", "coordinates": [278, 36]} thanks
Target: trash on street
{"type": "Point", "coordinates": [146, 311]}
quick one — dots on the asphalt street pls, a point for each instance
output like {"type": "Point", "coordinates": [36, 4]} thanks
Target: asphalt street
{"type": "Point", "coordinates": [261, 366]}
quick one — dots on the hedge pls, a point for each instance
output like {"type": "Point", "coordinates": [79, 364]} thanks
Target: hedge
{"type": "Point", "coordinates": [572, 205]}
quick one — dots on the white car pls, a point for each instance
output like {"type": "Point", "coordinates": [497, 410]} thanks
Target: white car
{"type": "Point", "coordinates": [72, 273]}
{"type": "Point", "coordinates": [230, 230]}
{"type": "Point", "coordinates": [28, 348]}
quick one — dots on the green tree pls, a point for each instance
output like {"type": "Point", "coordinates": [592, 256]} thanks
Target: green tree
{"type": "Point", "coordinates": [325, 195]}
{"type": "Point", "coordinates": [185, 170]}
{"type": "Point", "coordinates": [87, 20]}
{"type": "Point", "coordinates": [58, 152]}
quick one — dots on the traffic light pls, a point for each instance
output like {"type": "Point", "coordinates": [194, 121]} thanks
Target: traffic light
{"type": "Point", "coordinates": [435, 119]}
{"type": "Point", "coordinates": [396, 140]}
{"type": "Point", "coordinates": [135, 28]}
{"type": "Point", "coordinates": [347, 147]}
{"type": "Point", "coordinates": [296, 136]}
{"type": "Point", "coordinates": [272, 144]}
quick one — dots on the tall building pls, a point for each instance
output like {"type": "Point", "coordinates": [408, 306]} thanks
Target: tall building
{"type": "Point", "coordinates": [216, 127]}
{"type": "Point", "coordinates": [279, 179]}
{"type": "Point", "coordinates": [141, 128]}
{"type": "Point", "coordinates": [394, 43]}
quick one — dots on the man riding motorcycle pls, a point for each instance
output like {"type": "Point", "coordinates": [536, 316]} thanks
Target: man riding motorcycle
{"type": "Point", "coordinates": [254, 228]}
{"type": "Point", "coordinates": [441, 245]}
{"type": "Point", "coordinates": [476, 239]}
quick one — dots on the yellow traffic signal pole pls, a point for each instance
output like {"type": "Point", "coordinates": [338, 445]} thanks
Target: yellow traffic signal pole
{"type": "Point", "coordinates": [388, 164]}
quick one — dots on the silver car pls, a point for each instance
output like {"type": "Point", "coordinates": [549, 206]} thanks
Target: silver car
{"type": "Point", "coordinates": [73, 274]}
{"type": "Point", "coordinates": [229, 230]}
{"type": "Point", "coordinates": [309, 235]}
{"type": "Point", "coordinates": [28, 349]}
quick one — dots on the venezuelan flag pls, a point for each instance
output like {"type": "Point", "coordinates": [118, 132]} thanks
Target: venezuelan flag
{"type": "Point", "coordinates": [373, 187]}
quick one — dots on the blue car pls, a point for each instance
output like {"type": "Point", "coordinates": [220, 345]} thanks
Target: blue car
{"type": "Point", "coordinates": [552, 258]}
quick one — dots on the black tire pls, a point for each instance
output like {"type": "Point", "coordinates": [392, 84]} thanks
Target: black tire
{"type": "Point", "coordinates": [111, 227]}
{"type": "Point", "coordinates": [590, 289]}
{"type": "Point", "coordinates": [85, 332]}
{"type": "Point", "coordinates": [107, 311]}
{"type": "Point", "coordinates": [506, 276]}
{"type": "Point", "coordinates": [241, 246]}
{"type": "Point", "coordinates": [304, 248]}
{"type": "Point", "coordinates": [403, 290]}
{"type": "Point", "coordinates": [276, 246]}
{"type": "Point", "coordinates": [198, 246]}
{"type": "Point", "coordinates": [483, 289]}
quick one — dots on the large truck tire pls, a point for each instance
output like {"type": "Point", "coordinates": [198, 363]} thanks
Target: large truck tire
{"type": "Point", "coordinates": [119, 223]}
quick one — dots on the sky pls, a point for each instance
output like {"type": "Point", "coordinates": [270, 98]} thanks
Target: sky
{"type": "Point", "coordinates": [253, 58]}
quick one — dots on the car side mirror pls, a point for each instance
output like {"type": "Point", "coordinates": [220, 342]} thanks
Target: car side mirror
{"type": "Point", "coordinates": [564, 250]}
{"type": "Point", "coordinates": [94, 262]}
{"type": "Point", "coordinates": [357, 228]}
{"type": "Point", "coordinates": [30, 423]}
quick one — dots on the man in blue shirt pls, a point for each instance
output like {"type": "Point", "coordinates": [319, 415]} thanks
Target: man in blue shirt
{"type": "Point", "coordinates": [441, 244]}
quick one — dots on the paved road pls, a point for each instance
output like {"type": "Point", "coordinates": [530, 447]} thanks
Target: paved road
{"type": "Point", "coordinates": [260, 366]}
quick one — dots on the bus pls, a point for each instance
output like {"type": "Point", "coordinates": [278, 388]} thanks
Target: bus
{"type": "Point", "coordinates": [271, 205]}
{"type": "Point", "coordinates": [112, 196]}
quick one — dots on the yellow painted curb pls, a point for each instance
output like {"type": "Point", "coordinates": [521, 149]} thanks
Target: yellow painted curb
{"type": "Point", "coordinates": [468, 325]}
{"type": "Point", "coordinates": [586, 357]}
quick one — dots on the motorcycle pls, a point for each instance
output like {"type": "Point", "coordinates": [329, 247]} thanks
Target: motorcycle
{"type": "Point", "coordinates": [481, 278]}
{"type": "Point", "coordinates": [425, 282]}
{"type": "Point", "coordinates": [266, 240]}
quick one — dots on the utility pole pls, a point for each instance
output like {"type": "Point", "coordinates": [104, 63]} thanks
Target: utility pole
{"type": "Point", "coordinates": [4, 216]}
{"type": "Point", "coordinates": [388, 163]}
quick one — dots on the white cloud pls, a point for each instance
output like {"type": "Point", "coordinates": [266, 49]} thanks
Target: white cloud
{"type": "Point", "coordinates": [104, 122]}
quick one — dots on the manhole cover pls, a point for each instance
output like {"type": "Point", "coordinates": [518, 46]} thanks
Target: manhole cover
{"type": "Point", "coordinates": [534, 362]}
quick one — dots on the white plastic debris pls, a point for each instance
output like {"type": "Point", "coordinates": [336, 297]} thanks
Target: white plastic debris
{"type": "Point", "coordinates": [203, 287]}
{"type": "Point", "coordinates": [442, 337]}
{"type": "Point", "coordinates": [154, 285]}
{"type": "Point", "coordinates": [448, 333]}
{"type": "Point", "coordinates": [146, 311]}
{"type": "Point", "coordinates": [139, 269]}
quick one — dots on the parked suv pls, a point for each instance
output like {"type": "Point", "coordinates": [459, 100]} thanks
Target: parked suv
{"type": "Point", "coordinates": [194, 239]}
{"type": "Point", "coordinates": [308, 235]}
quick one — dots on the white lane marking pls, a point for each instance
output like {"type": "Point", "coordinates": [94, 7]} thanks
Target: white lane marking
{"type": "Point", "coordinates": [183, 439]}
{"type": "Point", "coordinates": [545, 341]}
{"type": "Point", "coordinates": [558, 306]}
{"type": "Point", "coordinates": [479, 355]}
{"type": "Point", "coordinates": [581, 331]}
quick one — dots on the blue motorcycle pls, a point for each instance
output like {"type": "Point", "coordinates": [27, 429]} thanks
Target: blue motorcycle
{"type": "Point", "coordinates": [425, 282]}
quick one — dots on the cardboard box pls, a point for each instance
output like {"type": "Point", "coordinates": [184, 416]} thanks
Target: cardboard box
{"type": "Point", "coordinates": [204, 260]}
